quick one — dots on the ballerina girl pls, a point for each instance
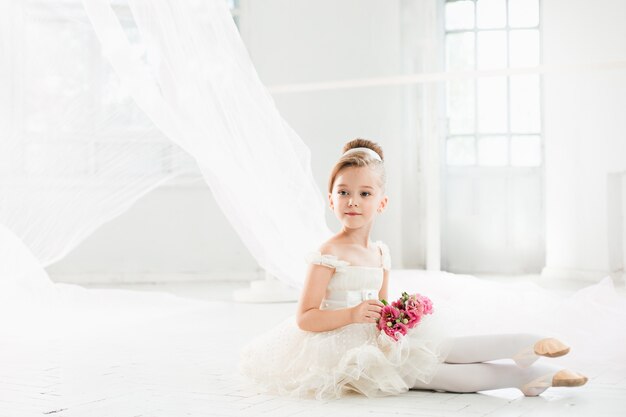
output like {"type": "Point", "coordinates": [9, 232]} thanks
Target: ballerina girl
{"type": "Point", "coordinates": [332, 345]}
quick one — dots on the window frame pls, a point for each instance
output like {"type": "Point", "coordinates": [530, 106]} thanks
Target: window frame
{"type": "Point", "coordinates": [475, 133]}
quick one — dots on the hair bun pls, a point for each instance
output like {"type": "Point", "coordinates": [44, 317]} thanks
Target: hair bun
{"type": "Point", "coordinates": [364, 143]}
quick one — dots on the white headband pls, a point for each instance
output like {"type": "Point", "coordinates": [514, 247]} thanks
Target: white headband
{"type": "Point", "coordinates": [372, 153]}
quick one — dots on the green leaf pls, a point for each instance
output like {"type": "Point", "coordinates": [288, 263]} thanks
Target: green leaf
{"type": "Point", "coordinates": [385, 303]}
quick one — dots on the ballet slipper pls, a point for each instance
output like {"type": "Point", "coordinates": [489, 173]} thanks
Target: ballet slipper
{"type": "Point", "coordinates": [549, 347]}
{"type": "Point", "coordinates": [562, 378]}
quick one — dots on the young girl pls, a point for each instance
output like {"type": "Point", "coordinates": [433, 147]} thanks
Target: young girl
{"type": "Point", "coordinates": [332, 345]}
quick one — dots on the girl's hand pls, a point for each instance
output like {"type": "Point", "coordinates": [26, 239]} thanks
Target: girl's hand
{"type": "Point", "coordinates": [366, 312]}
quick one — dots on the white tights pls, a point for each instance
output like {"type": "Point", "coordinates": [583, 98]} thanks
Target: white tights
{"type": "Point", "coordinates": [463, 370]}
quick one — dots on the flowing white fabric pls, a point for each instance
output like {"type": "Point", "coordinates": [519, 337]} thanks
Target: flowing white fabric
{"type": "Point", "coordinates": [75, 154]}
{"type": "Point", "coordinates": [223, 116]}
{"type": "Point", "coordinates": [589, 320]}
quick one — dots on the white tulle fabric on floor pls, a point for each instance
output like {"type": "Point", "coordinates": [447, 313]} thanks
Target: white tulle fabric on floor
{"type": "Point", "coordinates": [176, 93]}
{"type": "Point", "coordinates": [589, 319]}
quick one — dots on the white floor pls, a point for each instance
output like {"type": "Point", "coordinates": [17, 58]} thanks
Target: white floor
{"type": "Point", "coordinates": [185, 365]}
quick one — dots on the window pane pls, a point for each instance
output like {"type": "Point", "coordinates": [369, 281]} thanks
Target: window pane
{"type": "Point", "coordinates": [461, 151]}
{"type": "Point", "coordinates": [116, 101]}
{"type": "Point", "coordinates": [490, 13]}
{"type": "Point", "coordinates": [492, 151]}
{"type": "Point", "coordinates": [492, 49]}
{"type": "Point", "coordinates": [460, 51]}
{"type": "Point", "coordinates": [460, 105]}
{"type": "Point", "coordinates": [56, 71]}
{"type": "Point", "coordinates": [460, 15]}
{"type": "Point", "coordinates": [525, 104]}
{"type": "Point", "coordinates": [526, 150]}
{"type": "Point", "coordinates": [150, 163]}
{"type": "Point", "coordinates": [524, 48]}
{"type": "Point", "coordinates": [492, 105]}
{"type": "Point", "coordinates": [11, 157]}
{"type": "Point", "coordinates": [42, 158]}
{"type": "Point", "coordinates": [523, 13]}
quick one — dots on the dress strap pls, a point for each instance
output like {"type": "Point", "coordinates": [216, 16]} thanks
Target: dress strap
{"type": "Point", "coordinates": [330, 261]}
{"type": "Point", "coordinates": [385, 253]}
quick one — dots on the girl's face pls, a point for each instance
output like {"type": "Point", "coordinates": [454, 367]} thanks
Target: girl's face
{"type": "Point", "coordinates": [356, 198]}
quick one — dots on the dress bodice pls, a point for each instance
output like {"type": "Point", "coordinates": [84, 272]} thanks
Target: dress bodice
{"type": "Point", "coordinates": [351, 284]}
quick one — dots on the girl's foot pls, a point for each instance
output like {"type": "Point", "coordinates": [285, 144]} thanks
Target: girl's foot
{"type": "Point", "coordinates": [549, 347]}
{"type": "Point", "coordinates": [562, 378]}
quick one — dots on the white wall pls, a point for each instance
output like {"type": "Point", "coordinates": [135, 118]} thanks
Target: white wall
{"type": "Point", "coordinates": [179, 232]}
{"type": "Point", "coordinates": [172, 233]}
{"type": "Point", "coordinates": [296, 41]}
{"type": "Point", "coordinates": [585, 133]}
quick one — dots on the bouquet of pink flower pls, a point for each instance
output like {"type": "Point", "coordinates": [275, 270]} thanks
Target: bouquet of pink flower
{"type": "Point", "coordinates": [404, 314]}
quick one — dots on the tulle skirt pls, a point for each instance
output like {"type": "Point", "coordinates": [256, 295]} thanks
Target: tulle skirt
{"type": "Point", "coordinates": [355, 358]}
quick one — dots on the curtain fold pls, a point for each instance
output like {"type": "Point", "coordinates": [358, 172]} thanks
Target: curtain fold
{"type": "Point", "coordinates": [75, 151]}
{"type": "Point", "coordinates": [219, 111]}
{"type": "Point", "coordinates": [109, 100]}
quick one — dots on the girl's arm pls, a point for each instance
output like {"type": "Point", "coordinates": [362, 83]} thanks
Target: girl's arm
{"type": "Point", "coordinates": [383, 293]}
{"type": "Point", "coordinates": [309, 316]}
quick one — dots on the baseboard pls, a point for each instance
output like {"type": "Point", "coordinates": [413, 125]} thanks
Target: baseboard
{"type": "Point", "coordinates": [144, 278]}
{"type": "Point", "coordinates": [580, 274]}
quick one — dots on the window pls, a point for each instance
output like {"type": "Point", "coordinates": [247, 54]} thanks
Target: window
{"type": "Point", "coordinates": [98, 116]}
{"type": "Point", "coordinates": [235, 9]}
{"type": "Point", "coordinates": [493, 120]}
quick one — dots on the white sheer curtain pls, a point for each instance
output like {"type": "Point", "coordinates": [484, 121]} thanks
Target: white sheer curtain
{"type": "Point", "coordinates": [203, 92]}
{"type": "Point", "coordinates": [104, 105]}
{"type": "Point", "coordinates": [76, 151]}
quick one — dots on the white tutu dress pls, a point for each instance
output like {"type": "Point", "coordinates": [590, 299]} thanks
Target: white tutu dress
{"type": "Point", "coordinates": [355, 358]}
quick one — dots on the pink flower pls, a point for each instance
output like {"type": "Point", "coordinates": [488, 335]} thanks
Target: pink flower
{"type": "Point", "coordinates": [414, 305]}
{"type": "Point", "coordinates": [395, 331]}
{"type": "Point", "coordinates": [426, 303]}
{"type": "Point", "coordinates": [388, 317]}
{"type": "Point", "coordinates": [403, 314]}
{"type": "Point", "coordinates": [414, 318]}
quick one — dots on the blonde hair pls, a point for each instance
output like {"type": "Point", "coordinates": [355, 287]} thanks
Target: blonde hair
{"type": "Point", "coordinates": [360, 159]}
